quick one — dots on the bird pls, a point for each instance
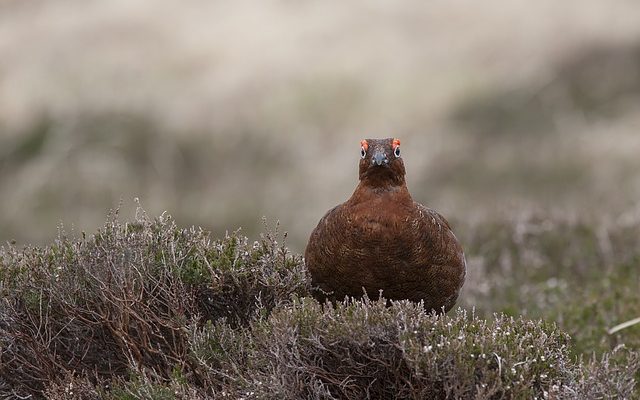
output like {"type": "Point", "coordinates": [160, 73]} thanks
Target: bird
{"type": "Point", "coordinates": [381, 241]}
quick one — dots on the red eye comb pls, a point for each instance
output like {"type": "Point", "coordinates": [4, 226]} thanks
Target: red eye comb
{"type": "Point", "coordinates": [365, 145]}
{"type": "Point", "coordinates": [396, 143]}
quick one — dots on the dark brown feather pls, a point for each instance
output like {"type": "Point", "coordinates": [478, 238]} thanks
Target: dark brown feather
{"type": "Point", "coordinates": [380, 239]}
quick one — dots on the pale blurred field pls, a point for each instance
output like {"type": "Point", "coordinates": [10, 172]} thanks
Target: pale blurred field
{"type": "Point", "coordinates": [221, 112]}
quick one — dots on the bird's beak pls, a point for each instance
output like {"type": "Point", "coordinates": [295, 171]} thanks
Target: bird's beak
{"type": "Point", "coordinates": [379, 158]}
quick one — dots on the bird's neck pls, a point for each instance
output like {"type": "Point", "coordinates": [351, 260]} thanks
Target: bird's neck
{"type": "Point", "coordinates": [381, 178]}
{"type": "Point", "coordinates": [366, 191]}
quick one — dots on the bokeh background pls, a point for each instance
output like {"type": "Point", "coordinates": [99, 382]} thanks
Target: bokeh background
{"type": "Point", "coordinates": [221, 113]}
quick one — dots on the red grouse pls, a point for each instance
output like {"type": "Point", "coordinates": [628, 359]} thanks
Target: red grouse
{"type": "Point", "coordinates": [380, 239]}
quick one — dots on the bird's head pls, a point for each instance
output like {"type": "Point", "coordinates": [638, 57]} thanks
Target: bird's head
{"type": "Point", "coordinates": [380, 162]}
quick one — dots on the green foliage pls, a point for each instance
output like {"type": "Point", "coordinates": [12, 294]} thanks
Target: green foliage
{"type": "Point", "coordinates": [138, 389]}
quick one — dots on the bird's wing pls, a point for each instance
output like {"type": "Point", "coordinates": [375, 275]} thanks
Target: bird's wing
{"type": "Point", "coordinates": [441, 254]}
{"type": "Point", "coordinates": [324, 236]}
{"type": "Point", "coordinates": [437, 236]}
{"type": "Point", "coordinates": [323, 245]}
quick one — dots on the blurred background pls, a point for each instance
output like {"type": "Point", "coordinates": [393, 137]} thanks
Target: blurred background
{"type": "Point", "coordinates": [221, 113]}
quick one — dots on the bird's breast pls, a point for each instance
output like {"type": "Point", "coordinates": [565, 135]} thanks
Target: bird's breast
{"type": "Point", "coordinates": [378, 229]}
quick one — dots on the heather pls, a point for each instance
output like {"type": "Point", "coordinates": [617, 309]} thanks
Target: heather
{"type": "Point", "coordinates": [148, 309]}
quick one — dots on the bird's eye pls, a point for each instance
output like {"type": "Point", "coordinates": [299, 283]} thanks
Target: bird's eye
{"type": "Point", "coordinates": [396, 151]}
{"type": "Point", "coordinates": [363, 152]}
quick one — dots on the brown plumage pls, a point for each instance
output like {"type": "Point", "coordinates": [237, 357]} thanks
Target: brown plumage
{"type": "Point", "coordinates": [380, 239]}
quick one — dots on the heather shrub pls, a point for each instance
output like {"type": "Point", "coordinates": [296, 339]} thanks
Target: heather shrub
{"type": "Point", "coordinates": [120, 301]}
{"type": "Point", "coordinates": [148, 310]}
{"type": "Point", "coordinates": [363, 349]}
{"type": "Point", "coordinates": [367, 350]}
